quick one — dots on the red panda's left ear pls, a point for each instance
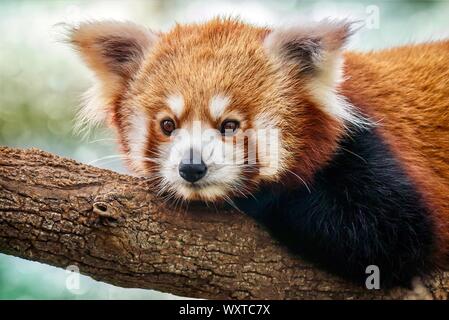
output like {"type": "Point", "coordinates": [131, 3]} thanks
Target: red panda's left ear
{"type": "Point", "coordinates": [309, 46]}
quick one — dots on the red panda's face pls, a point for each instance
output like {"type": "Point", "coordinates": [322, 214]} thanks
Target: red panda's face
{"type": "Point", "coordinates": [210, 111]}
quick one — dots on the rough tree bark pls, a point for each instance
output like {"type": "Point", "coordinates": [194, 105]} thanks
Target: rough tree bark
{"type": "Point", "coordinates": [62, 213]}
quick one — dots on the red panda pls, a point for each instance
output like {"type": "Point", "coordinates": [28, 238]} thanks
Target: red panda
{"type": "Point", "coordinates": [360, 170]}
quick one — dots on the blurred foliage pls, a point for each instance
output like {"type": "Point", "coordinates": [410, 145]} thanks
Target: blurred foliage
{"type": "Point", "coordinates": [41, 80]}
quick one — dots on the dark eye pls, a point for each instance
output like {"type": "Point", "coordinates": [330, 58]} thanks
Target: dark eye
{"type": "Point", "coordinates": [229, 126]}
{"type": "Point", "coordinates": [168, 126]}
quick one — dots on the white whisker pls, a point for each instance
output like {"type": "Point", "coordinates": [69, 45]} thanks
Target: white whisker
{"type": "Point", "coordinates": [354, 154]}
{"type": "Point", "coordinates": [106, 158]}
{"type": "Point", "coordinates": [301, 179]}
{"type": "Point", "coordinates": [101, 140]}
{"type": "Point", "coordinates": [231, 203]}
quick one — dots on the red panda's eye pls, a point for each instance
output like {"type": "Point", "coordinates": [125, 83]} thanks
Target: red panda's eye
{"type": "Point", "coordinates": [168, 126]}
{"type": "Point", "coordinates": [229, 126]}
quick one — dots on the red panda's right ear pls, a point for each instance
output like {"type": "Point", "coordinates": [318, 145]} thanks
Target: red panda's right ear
{"type": "Point", "coordinates": [112, 49]}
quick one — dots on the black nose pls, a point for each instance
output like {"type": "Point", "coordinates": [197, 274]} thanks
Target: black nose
{"type": "Point", "coordinates": [192, 172]}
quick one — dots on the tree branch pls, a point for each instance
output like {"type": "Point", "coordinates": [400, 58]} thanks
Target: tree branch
{"type": "Point", "coordinates": [61, 212]}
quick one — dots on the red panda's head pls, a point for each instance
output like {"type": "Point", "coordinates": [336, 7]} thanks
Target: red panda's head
{"type": "Point", "coordinates": [213, 110]}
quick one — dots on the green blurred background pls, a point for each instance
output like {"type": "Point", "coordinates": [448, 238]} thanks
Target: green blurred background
{"type": "Point", "coordinates": [41, 80]}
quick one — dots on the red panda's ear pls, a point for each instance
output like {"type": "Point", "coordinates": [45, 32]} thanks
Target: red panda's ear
{"type": "Point", "coordinates": [313, 52]}
{"type": "Point", "coordinates": [112, 49]}
{"type": "Point", "coordinates": [308, 46]}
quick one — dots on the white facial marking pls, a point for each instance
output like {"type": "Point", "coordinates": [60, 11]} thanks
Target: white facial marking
{"type": "Point", "coordinates": [176, 104]}
{"type": "Point", "coordinates": [220, 177]}
{"type": "Point", "coordinates": [218, 104]}
{"type": "Point", "coordinates": [137, 137]}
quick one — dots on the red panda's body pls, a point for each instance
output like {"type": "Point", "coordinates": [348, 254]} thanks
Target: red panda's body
{"type": "Point", "coordinates": [405, 91]}
{"type": "Point", "coordinates": [360, 169]}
